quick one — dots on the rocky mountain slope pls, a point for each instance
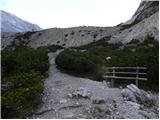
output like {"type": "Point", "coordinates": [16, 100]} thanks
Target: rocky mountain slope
{"type": "Point", "coordinates": [12, 23]}
{"type": "Point", "coordinates": [143, 23]}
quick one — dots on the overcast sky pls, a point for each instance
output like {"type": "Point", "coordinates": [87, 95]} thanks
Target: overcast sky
{"type": "Point", "coordinates": [70, 13]}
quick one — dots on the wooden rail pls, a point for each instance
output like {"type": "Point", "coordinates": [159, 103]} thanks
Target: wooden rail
{"type": "Point", "coordinates": [136, 72]}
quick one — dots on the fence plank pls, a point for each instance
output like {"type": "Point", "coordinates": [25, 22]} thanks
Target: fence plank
{"type": "Point", "coordinates": [144, 68]}
{"type": "Point", "coordinates": [129, 78]}
{"type": "Point", "coordinates": [133, 73]}
{"type": "Point", "coordinates": [136, 73]}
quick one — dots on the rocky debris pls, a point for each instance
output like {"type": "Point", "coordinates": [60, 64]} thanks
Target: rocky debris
{"type": "Point", "coordinates": [67, 115]}
{"type": "Point", "coordinates": [53, 89]}
{"type": "Point", "coordinates": [129, 95]}
{"type": "Point", "coordinates": [105, 83]}
{"type": "Point", "coordinates": [133, 104]}
{"type": "Point", "coordinates": [70, 106]}
{"type": "Point", "coordinates": [68, 87]}
{"type": "Point", "coordinates": [44, 111]}
{"type": "Point", "coordinates": [103, 111]}
{"type": "Point", "coordinates": [82, 92]}
{"type": "Point", "coordinates": [152, 111]}
{"type": "Point", "coordinates": [98, 100]}
{"type": "Point", "coordinates": [145, 114]}
{"type": "Point", "coordinates": [134, 94]}
{"type": "Point", "coordinates": [111, 101]}
{"type": "Point", "coordinates": [62, 101]}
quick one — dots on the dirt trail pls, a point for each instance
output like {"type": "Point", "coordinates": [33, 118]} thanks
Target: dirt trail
{"type": "Point", "coordinates": [58, 104]}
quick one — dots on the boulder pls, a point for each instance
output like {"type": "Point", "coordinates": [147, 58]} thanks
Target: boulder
{"type": "Point", "coordinates": [128, 94]}
{"type": "Point", "coordinates": [134, 89]}
{"type": "Point", "coordinates": [134, 94]}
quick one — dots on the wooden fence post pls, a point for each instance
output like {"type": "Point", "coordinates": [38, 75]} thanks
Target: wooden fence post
{"type": "Point", "coordinates": [137, 76]}
{"type": "Point", "coordinates": [112, 80]}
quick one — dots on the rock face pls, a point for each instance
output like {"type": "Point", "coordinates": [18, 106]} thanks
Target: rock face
{"type": "Point", "coordinates": [144, 22]}
{"type": "Point", "coordinates": [11, 23]}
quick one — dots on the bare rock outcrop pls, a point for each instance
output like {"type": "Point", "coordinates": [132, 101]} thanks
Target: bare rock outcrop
{"type": "Point", "coordinates": [133, 93]}
{"type": "Point", "coordinates": [145, 22]}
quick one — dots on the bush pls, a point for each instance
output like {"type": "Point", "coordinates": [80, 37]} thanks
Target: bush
{"type": "Point", "coordinates": [78, 62]}
{"type": "Point", "coordinates": [24, 59]}
{"type": "Point", "coordinates": [135, 53]}
{"type": "Point", "coordinates": [26, 89]}
{"type": "Point", "coordinates": [23, 71]}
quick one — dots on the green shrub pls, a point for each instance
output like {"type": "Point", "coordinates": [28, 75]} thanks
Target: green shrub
{"type": "Point", "coordinates": [23, 71]}
{"type": "Point", "coordinates": [78, 62]}
{"type": "Point", "coordinates": [23, 60]}
{"type": "Point", "coordinates": [26, 88]}
{"type": "Point", "coordinates": [135, 53]}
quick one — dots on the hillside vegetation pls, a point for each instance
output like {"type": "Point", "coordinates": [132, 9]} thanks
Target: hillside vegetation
{"type": "Point", "coordinates": [23, 72]}
{"type": "Point", "coordinates": [91, 60]}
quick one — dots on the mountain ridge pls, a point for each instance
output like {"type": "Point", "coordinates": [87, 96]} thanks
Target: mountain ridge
{"type": "Point", "coordinates": [142, 24]}
{"type": "Point", "coordinates": [12, 23]}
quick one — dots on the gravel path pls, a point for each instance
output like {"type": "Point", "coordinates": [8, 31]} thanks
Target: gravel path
{"type": "Point", "coordinates": [58, 104]}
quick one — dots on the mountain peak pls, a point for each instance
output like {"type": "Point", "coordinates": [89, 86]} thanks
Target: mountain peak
{"type": "Point", "coordinates": [12, 23]}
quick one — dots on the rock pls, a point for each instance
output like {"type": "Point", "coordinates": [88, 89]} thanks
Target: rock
{"type": "Point", "coordinates": [53, 89]}
{"type": "Point", "coordinates": [68, 87]}
{"type": "Point", "coordinates": [145, 114]}
{"type": "Point", "coordinates": [135, 105]}
{"type": "Point", "coordinates": [146, 98]}
{"type": "Point", "coordinates": [98, 100]}
{"type": "Point", "coordinates": [70, 95]}
{"type": "Point", "coordinates": [67, 115]}
{"type": "Point", "coordinates": [81, 92]}
{"type": "Point", "coordinates": [128, 94]}
{"type": "Point", "coordinates": [133, 93]}
{"type": "Point", "coordinates": [62, 101]}
{"type": "Point", "coordinates": [108, 58]}
{"type": "Point", "coordinates": [103, 111]}
{"type": "Point", "coordinates": [104, 82]}
{"type": "Point", "coordinates": [103, 87]}
{"type": "Point", "coordinates": [134, 88]}
{"type": "Point", "coordinates": [44, 111]}
{"type": "Point", "coordinates": [111, 101]}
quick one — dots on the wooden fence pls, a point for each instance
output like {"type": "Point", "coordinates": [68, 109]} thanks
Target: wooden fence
{"type": "Point", "coordinates": [112, 74]}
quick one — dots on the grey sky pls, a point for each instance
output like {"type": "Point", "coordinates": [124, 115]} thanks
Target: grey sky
{"type": "Point", "coordinates": [70, 13]}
